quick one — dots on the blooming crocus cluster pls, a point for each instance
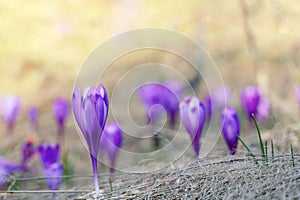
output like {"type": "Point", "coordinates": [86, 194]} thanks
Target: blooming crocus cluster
{"type": "Point", "coordinates": [166, 95]}
{"type": "Point", "coordinates": [254, 103]}
{"type": "Point", "coordinates": [230, 127]}
{"type": "Point", "coordinates": [33, 117]}
{"type": "Point", "coordinates": [10, 107]}
{"type": "Point", "coordinates": [90, 111]}
{"type": "Point", "coordinates": [192, 114]}
{"type": "Point", "coordinates": [60, 110]}
{"type": "Point", "coordinates": [50, 159]}
{"type": "Point", "coordinates": [111, 141]}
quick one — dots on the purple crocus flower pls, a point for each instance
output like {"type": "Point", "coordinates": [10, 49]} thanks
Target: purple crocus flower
{"type": "Point", "coordinates": [6, 169]}
{"type": "Point", "coordinates": [90, 111]}
{"type": "Point", "coordinates": [28, 151]}
{"type": "Point", "coordinates": [192, 114]}
{"type": "Point", "coordinates": [49, 153]}
{"type": "Point", "coordinates": [111, 141]}
{"type": "Point", "coordinates": [10, 107]}
{"type": "Point", "coordinates": [250, 98]}
{"type": "Point", "coordinates": [60, 109]}
{"type": "Point", "coordinates": [50, 159]}
{"type": "Point", "coordinates": [167, 95]}
{"type": "Point", "coordinates": [33, 117]}
{"type": "Point", "coordinates": [230, 126]}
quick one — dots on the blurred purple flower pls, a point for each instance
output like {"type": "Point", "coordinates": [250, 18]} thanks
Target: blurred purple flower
{"type": "Point", "coordinates": [166, 94]}
{"type": "Point", "coordinates": [297, 92]}
{"type": "Point", "coordinates": [49, 154]}
{"type": "Point", "coordinates": [50, 159]}
{"type": "Point", "coordinates": [217, 100]}
{"type": "Point", "coordinates": [53, 174]}
{"type": "Point", "coordinates": [60, 109]}
{"type": "Point", "coordinates": [90, 111]}
{"type": "Point", "coordinates": [7, 168]}
{"type": "Point", "coordinates": [111, 141]}
{"type": "Point", "coordinates": [28, 151]}
{"type": "Point", "coordinates": [33, 117]}
{"type": "Point", "coordinates": [230, 126]}
{"type": "Point", "coordinates": [254, 102]}
{"type": "Point", "coordinates": [10, 107]}
{"type": "Point", "coordinates": [263, 109]}
{"type": "Point", "coordinates": [250, 98]}
{"type": "Point", "coordinates": [192, 114]}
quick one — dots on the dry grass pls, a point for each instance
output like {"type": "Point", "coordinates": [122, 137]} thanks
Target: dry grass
{"type": "Point", "coordinates": [213, 178]}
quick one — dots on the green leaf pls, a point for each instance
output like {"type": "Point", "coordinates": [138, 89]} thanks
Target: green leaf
{"type": "Point", "coordinates": [262, 151]}
{"type": "Point", "coordinates": [248, 149]}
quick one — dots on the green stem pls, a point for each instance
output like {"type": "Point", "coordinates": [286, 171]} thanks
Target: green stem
{"type": "Point", "coordinates": [248, 149]}
{"type": "Point", "coordinates": [272, 145]}
{"type": "Point", "coordinates": [262, 151]}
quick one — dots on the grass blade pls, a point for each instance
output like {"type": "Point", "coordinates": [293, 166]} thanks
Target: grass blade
{"type": "Point", "coordinates": [292, 154]}
{"type": "Point", "coordinates": [262, 151]}
{"type": "Point", "coordinates": [248, 149]}
{"type": "Point", "coordinates": [272, 147]}
{"type": "Point", "coordinates": [266, 151]}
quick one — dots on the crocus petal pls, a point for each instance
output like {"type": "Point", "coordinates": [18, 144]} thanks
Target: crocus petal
{"type": "Point", "coordinates": [250, 98]}
{"type": "Point", "coordinates": [60, 110]}
{"type": "Point", "coordinates": [28, 151]}
{"type": "Point", "coordinates": [111, 140]}
{"type": "Point", "coordinates": [93, 130]}
{"type": "Point", "coordinates": [166, 94]}
{"type": "Point", "coordinates": [192, 114]}
{"type": "Point", "coordinates": [53, 174]}
{"type": "Point", "coordinates": [49, 153]}
{"type": "Point", "coordinates": [230, 127]}
{"type": "Point", "coordinates": [10, 107]}
{"type": "Point", "coordinates": [6, 169]}
{"type": "Point", "coordinates": [263, 109]}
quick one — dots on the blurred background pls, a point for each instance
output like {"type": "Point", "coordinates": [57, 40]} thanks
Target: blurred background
{"type": "Point", "coordinates": [44, 43]}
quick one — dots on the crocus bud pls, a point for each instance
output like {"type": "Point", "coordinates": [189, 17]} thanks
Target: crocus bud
{"type": "Point", "coordinates": [90, 112]}
{"type": "Point", "coordinates": [10, 107]}
{"type": "Point", "coordinates": [230, 126]}
{"type": "Point", "coordinates": [50, 159]}
{"type": "Point", "coordinates": [28, 150]}
{"type": "Point", "coordinates": [192, 114]}
{"type": "Point", "coordinates": [33, 117]}
{"type": "Point", "coordinates": [60, 109]}
{"type": "Point", "coordinates": [250, 98]}
{"type": "Point", "coordinates": [111, 141]}
{"type": "Point", "coordinates": [166, 95]}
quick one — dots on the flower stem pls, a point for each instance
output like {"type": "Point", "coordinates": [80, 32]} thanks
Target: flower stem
{"type": "Point", "coordinates": [95, 171]}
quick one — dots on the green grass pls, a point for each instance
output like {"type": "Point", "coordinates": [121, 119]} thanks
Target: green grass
{"type": "Point", "coordinates": [262, 149]}
{"type": "Point", "coordinates": [292, 155]}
